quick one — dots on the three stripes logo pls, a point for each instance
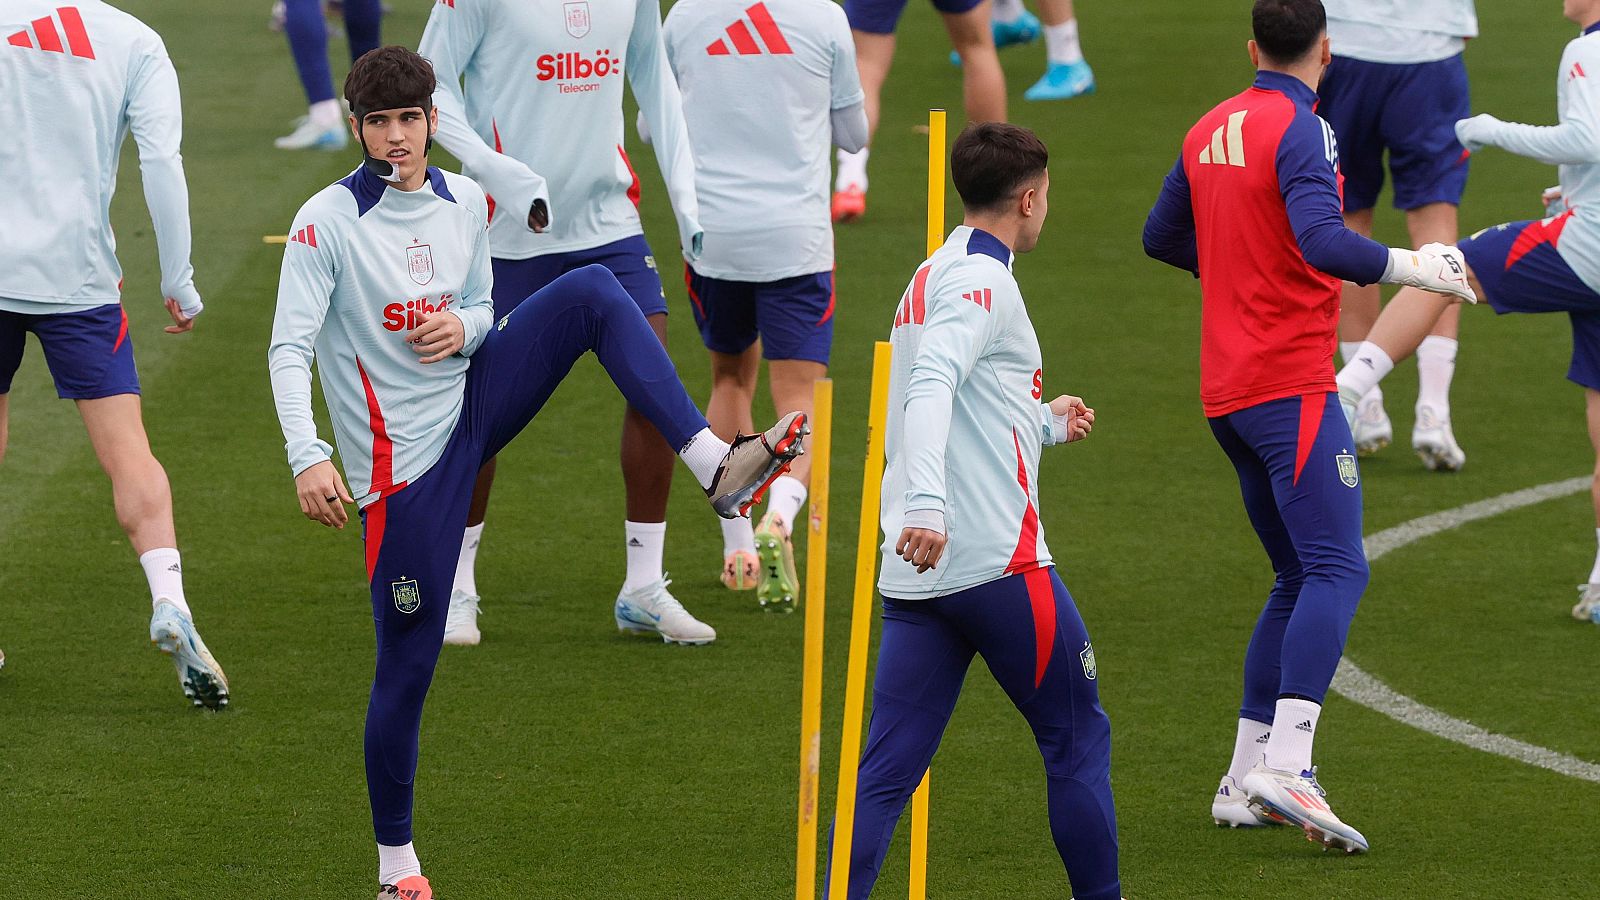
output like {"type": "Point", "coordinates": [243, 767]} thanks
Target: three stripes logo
{"type": "Point", "coordinates": [983, 297]}
{"type": "Point", "coordinates": [306, 235]}
{"type": "Point", "coordinates": [744, 43]}
{"type": "Point", "coordinates": [49, 38]}
{"type": "Point", "coordinates": [1307, 799]}
{"type": "Point", "coordinates": [1227, 143]}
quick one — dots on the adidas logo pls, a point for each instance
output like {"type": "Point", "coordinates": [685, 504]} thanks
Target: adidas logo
{"type": "Point", "coordinates": [984, 298]}
{"type": "Point", "coordinates": [306, 235]}
{"type": "Point", "coordinates": [175, 567]}
{"type": "Point", "coordinates": [1226, 148]}
{"type": "Point", "coordinates": [634, 542]}
{"type": "Point", "coordinates": [49, 39]}
{"type": "Point", "coordinates": [744, 43]}
{"type": "Point", "coordinates": [1304, 726]}
{"type": "Point", "coordinates": [1263, 738]}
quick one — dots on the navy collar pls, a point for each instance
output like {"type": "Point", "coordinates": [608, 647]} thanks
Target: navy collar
{"type": "Point", "coordinates": [1288, 85]}
{"type": "Point", "coordinates": [982, 242]}
{"type": "Point", "coordinates": [368, 188]}
{"type": "Point", "coordinates": [1592, 28]}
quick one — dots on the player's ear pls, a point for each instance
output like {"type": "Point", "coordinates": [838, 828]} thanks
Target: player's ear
{"type": "Point", "coordinates": [355, 129]}
{"type": "Point", "coordinates": [1327, 50]}
{"type": "Point", "coordinates": [1026, 206]}
{"type": "Point", "coordinates": [433, 121]}
{"type": "Point", "coordinates": [1255, 53]}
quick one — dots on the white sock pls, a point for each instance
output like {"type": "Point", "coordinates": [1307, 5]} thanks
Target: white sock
{"type": "Point", "coordinates": [1294, 727]}
{"type": "Point", "coordinates": [163, 568]}
{"type": "Point", "coordinates": [326, 113]}
{"type": "Point", "coordinates": [1249, 745]}
{"type": "Point", "coordinates": [1594, 574]}
{"type": "Point", "coordinates": [1007, 11]}
{"type": "Point", "coordinates": [786, 496]}
{"type": "Point", "coordinates": [852, 170]}
{"type": "Point", "coordinates": [703, 454]}
{"type": "Point", "coordinates": [1364, 370]}
{"type": "Point", "coordinates": [738, 534]}
{"type": "Point", "coordinates": [1436, 366]}
{"type": "Point", "coordinates": [1061, 42]}
{"type": "Point", "coordinates": [646, 540]}
{"type": "Point", "coordinates": [467, 562]}
{"type": "Point", "coordinates": [395, 863]}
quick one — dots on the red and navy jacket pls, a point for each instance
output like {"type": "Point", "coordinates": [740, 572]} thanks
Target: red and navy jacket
{"type": "Point", "coordinates": [1253, 207]}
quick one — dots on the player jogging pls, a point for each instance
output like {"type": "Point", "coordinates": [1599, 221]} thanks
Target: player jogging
{"type": "Point", "coordinates": [386, 283]}
{"type": "Point", "coordinates": [533, 70]}
{"type": "Point", "coordinates": [1252, 207]}
{"type": "Point", "coordinates": [1547, 265]}
{"type": "Point", "coordinates": [1397, 83]}
{"type": "Point", "coordinates": [965, 566]}
{"type": "Point", "coordinates": [761, 126]}
{"type": "Point", "coordinates": [77, 80]}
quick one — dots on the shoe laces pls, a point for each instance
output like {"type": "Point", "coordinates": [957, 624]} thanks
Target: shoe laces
{"type": "Point", "coordinates": [663, 599]}
{"type": "Point", "coordinates": [1310, 775]}
{"type": "Point", "coordinates": [459, 609]}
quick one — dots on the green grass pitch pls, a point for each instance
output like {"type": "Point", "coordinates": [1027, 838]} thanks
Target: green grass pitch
{"type": "Point", "coordinates": [561, 760]}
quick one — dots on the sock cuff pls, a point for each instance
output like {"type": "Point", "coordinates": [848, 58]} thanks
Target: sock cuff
{"type": "Point", "coordinates": [473, 531]}
{"type": "Point", "coordinates": [160, 554]}
{"type": "Point", "coordinates": [1434, 343]}
{"type": "Point", "coordinates": [645, 527]}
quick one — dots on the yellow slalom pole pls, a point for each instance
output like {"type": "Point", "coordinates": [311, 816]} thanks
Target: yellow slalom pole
{"type": "Point", "coordinates": [920, 799]}
{"type": "Point", "coordinates": [855, 684]}
{"type": "Point", "coordinates": [805, 854]}
{"type": "Point", "coordinates": [274, 239]}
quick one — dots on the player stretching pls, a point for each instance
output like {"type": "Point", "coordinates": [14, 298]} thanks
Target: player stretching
{"type": "Point", "coordinates": [1253, 208]}
{"type": "Point", "coordinates": [424, 383]}
{"type": "Point", "coordinates": [872, 23]}
{"type": "Point", "coordinates": [761, 126]}
{"type": "Point", "coordinates": [77, 80]}
{"type": "Point", "coordinates": [965, 566]}
{"type": "Point", "coordinates": [1397, 82]}
{"type": "Point", "coordinates": [1549, 265]}
{"type": "Point", "coordinates": [534, 70]}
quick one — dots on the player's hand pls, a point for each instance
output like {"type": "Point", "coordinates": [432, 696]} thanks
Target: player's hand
{"type": "Point", "coordinates": [1079, 417]}
{"type": "Point", "coordinates": [323, 494]}
{"type": "Point", "coordinates": [1476, 132]}
{"type": "Point", "coordinates": [538, 216]}
{"type": "Point", "coordinates": [180, 322]}
{"type": "Point", "coordinates": [921, 548]}
{"type": "Point", "coordinates": [1554, 201]}
{"type": "Point", "coordinates": [1439, 268]}
{"type": "Point", "coordinates": [437, 336]}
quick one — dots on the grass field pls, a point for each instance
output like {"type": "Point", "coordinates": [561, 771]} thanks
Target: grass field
{"type": "Point", "coordinates": [561, 760]}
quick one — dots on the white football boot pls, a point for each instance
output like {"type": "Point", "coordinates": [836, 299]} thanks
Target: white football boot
{"type": "Point", "coordinates": [1300, 800]}
{"type": "Point", "coordinates": [1588, 602]}
{"type": "Point", "coordinates": [461, 623]}
{"type": "Point", "coordinates": [1434, 442]}
{"type": "Point", "coordinates": [1231, 808]}
{"type": "Point", "coordinates": [1371, 429]}
{"type": "Point", "coordinates": [199, 675]}
{"type": "Point", "coordinates": [753, 462]}
{"type": "Point", "coordinates": [308, 135]}
{"type": "Point", "coordinates": [653, 610]}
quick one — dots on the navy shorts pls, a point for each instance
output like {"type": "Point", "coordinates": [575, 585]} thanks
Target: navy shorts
{"type": "Point", "coordinates": [792, 316]}
{"type": "Point", "coordinates": [629, 259]}
{"type": "Point", "coordinates": [1408, 110]}
{"type": "Point", "coordinates": [90, 353]}
{"type": "Point", "coordinates": [880, 16]}
{"type": "Point", "coordinates": [1522, 272]}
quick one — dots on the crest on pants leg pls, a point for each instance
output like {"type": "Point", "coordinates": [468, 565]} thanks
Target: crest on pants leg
{"type": "Point", "coordinates": [1347, 469]}
{"type": "Point", "coordinates": [1086, 656]}
{"type": "Point", "coordinates": [407, 594]}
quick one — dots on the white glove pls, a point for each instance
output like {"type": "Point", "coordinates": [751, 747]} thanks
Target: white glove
{"type": "Point", "coordinates": [1477, 132]}
{"type": "Point", "coordinates": [1439, 268]}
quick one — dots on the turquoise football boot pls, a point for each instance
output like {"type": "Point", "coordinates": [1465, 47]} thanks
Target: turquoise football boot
{"type": "Point", "coordinates": [1025, 30]}
{"type": "Point", "coordinates": [1063, 81]}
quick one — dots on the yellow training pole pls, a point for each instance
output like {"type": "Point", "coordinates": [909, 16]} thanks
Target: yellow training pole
{"type": "Point", "coordinates": [805, 854]}
{"type": "Point", "coordinates": [855, 683]}
{"type": "Point", "coordinates": [919, 800]}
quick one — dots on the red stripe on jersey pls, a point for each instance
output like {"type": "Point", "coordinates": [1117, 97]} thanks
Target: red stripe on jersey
{"type": "Point", "coordinates": [718, 47]}
{"type": "Point", "coordinates": [1536, 233]}
{"type": "Point", "coordinates": [1311, 406]}
{"type": "Point", "coordinates": [768, 29]}
{"type": "Point", "coordinates": [1042, 598]}
{"type": "Point", "coordinates": [1026, 556]}
{"type": "Point", "coordinates": [833, 294]}
{"type": "Point", "coordinates": [45, 28]}
{"type": "Point", "coordinates": [377, 516]}
{"type": "Point", "coordinates": [77, 36]}
{"type": "Point", "coordinates": [382, 447]}
{"type": "Point", "coordinates": [633, 189]}
{"type": "Point", "coordinates": [21, 39]}
{"type": "Point", "coordinates": [122, 333]}
{"type": "Point", "coordinates": [743, 41]}
{"type": "Point", "coordinates": [919, 296]}
{"type": "Point", "coordinates": [688, 283]}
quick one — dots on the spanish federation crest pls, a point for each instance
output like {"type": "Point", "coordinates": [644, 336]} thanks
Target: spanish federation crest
{"type": "Point", "coordinates": [577, 15]}
{"type": "Point", "coordinates": [419, 263]}
{"type": "Point", "coordinates": [407, 595]}
{"type": "Point", "coordinates": [1086, 656]}
{"type": "Point", "coordinates": [1347, 469]}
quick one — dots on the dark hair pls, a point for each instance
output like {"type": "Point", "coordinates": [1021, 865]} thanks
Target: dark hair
{"type": "Point", "coordinates": [389, 78]}
{"type": "Point", "coordinates": [1286, 30]}
{"type": "Point", "coordinates": [991, 160]}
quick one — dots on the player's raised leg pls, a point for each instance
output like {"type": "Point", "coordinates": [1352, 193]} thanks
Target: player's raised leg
{"type": "Point", "coordinates": [1067, 73]}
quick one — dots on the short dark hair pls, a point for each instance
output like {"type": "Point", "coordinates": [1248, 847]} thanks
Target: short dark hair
{"type": "Point", "coordinates": [1286, 30]}
{"type": "Point", "coordinates": [389, 78]}
{"type": "Point", "coordinates": [991, 160]}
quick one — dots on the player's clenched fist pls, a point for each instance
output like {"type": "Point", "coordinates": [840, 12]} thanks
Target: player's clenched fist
{"type": "Point", "coordinates": [1073, 419]}
{"type": "Point", "coordinates": [323, 494]}
{"type": "Point", "coordinates": [921, 547]}
{"type": "Point", "coordinates": [438, 336]}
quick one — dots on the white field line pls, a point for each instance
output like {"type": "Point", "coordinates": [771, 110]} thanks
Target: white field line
{"type": "Point", "coordinates": [1355, 684]}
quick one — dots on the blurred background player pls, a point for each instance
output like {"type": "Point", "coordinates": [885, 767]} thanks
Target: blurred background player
{"type": "Point", "coordinates": [422, 390]}
{"type": "Point", "coordinates": [1252, 207]}
{"type": "Point", "coordinates": [1066, 73]}
{"type": "Point", "coordinates": [1549, 265]}
{"type": "Point", "coordinates": [77, 80]}
{"type": "Point", "coordinates": [965, 566]}
{"type": "Point", "coordinates": [1398, 83]}
{"type": "Point", "coordinates": [534, 71]}
{"type": "Point", "coordinates": [323, 126]}
{"type": "Point", "coordinates": [983, 84]}
{"type": "Point", "coordinates": [761, 124]}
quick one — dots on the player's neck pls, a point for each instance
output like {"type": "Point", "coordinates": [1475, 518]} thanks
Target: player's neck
{"type": "Point", "coordinates": [1006, 228]}
{"type": "Point", "coordinates": [1309, 73]}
